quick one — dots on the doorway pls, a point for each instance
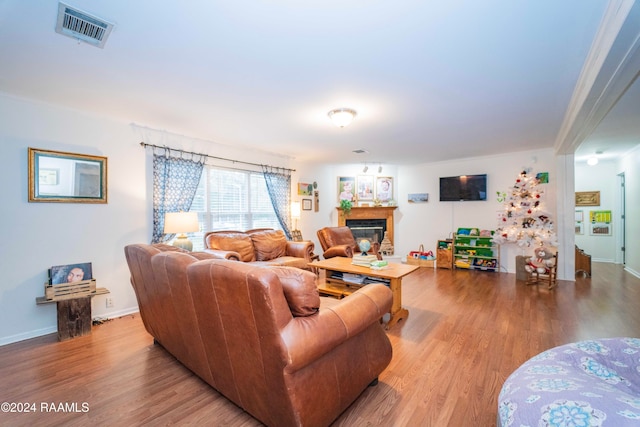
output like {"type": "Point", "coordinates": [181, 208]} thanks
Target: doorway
{"type": "Point", "coordinates": [620, 235]}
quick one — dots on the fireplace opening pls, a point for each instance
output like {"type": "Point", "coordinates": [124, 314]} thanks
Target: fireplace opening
{"type": "Point", "coordinates": [371, 229]}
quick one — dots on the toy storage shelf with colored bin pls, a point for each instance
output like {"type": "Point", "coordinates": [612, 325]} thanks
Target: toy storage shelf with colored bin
{"type": "Point", "coordinates": [474, 249]}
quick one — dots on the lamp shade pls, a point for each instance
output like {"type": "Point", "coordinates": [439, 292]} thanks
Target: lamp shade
{"type": "Point", "coordinates": [181, 222]}
{"type": "Point", "coordinates": [295, 209]}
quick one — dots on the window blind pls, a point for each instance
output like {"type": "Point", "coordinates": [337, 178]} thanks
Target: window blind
{"type": "Point", "coordinates": [231, 200]}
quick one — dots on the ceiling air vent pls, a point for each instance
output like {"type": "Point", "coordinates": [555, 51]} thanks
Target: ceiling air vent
{"type": "Point", "coordinates": [82, 26]}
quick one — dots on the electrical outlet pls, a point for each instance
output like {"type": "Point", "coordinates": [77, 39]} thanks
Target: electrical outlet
{"type": "Point", "coordinates": [109, 302]}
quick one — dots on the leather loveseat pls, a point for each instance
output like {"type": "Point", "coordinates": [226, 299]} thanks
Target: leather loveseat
{"type": "Point", "coordinates": [262, 246]}
{"type": "Point", "coordinates": [262, 336]}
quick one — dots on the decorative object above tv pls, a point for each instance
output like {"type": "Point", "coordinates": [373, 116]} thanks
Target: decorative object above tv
{"type": "Point", "coordinates": [462, 188]}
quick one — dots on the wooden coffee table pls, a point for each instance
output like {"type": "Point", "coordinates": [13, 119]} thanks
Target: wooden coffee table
{"type": "Point", "coordinates": [393, 273]}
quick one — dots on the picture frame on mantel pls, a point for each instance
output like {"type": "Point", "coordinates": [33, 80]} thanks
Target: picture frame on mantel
{"type": "Point", "coordinates": [384, 189]}
{"type": "Point", "coordinates": [346, 188]}
{"type": "Point", "coordinates": [365, 187]}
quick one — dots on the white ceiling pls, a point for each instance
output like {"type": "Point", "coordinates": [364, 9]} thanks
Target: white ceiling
{"type": "Point", "coordinates": [430, 80]}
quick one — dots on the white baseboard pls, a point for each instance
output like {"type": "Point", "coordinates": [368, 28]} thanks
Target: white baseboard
{"type": "Point", "coordinates": [119, 313]}
{"type": "Point", "coordinates": [609, 260]}
{"type": "Point", "coordinates": [632, 272]}
{"type": "Point", "coordinates": [54, 329]}
{"type": "Point", "coordinates": [28, 335]}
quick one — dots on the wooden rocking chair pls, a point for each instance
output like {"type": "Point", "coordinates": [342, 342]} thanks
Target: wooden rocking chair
{"type": "Point", "coordinates": [550, 277]}
{"type": "Point", "coordinates": [583, 262]}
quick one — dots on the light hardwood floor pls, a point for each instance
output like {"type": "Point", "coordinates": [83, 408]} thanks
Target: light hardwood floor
{"type": "Point", "coordinates": [466, 332]}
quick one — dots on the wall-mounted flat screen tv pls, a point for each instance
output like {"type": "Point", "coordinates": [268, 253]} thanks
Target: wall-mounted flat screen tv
{"type": "Point", "coordinates": [462, 188]}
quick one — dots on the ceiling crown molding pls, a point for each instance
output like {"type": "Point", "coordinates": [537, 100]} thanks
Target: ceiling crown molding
{"type": "Point", "coordinates": [611, 66]}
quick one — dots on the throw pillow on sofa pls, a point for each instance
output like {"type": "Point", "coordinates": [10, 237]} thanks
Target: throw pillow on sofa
{"type": "Point", "coordinates": [269, 244]}
{"type": "Point", "coordinates": [300, 290]}
{"type": "Point", "coordinates": [237, 242]}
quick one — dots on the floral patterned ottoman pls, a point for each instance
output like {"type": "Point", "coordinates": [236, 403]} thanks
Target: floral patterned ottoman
{"type": "Point", "coordinates": [588, 383]}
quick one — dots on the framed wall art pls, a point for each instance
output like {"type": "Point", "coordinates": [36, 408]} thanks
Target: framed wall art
{"type": "Point", "coordinates": [346, 187]}
{"type": "Point", "coordinates": [306, 204]}
{"type": "Point", "coordinates": [587, 198]}
{"type": "Point", "coordinates": [365, 187]}
{"type": "Point", "coordinates": [600, 223]}
{"type": "Point", "coordinates": [579, 222]}
{"type": "Point", "coordinates": [70, 273]}
{"type": "Point", "coordinates": [384, 188]}
{"type": "Point", "coordinates": [304, 189]}
{"type": "Point", "coordinates": [542, 177]}
{"type": "Point", "coordinates": [57, 176]}
{"type": "Point", "coordinates": [418, 197]}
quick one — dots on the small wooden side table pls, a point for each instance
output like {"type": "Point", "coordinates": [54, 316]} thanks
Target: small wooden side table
{"type": "Point", "coordinates": [74, 314]}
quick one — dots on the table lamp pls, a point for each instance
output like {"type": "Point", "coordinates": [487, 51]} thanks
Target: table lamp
{"type": "Point", "coordinates": [295, 213]}
{"type": "Point", "coordinates": [296, 235]}
{"type": "Point", "coordinates": [181, 223]}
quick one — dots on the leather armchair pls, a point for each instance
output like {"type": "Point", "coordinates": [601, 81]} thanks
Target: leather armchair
{"type": "Point", "coordinates": [339, 241]}
{"type": "Point", "coordinates": [262, 336]}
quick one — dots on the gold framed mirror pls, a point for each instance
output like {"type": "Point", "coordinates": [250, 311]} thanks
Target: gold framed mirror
{"type": "Point", "coordinates": [57, 176]}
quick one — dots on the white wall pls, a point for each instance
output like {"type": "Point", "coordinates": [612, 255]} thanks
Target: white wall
{"type": "Point", "coordinates": [425, 223]}
{"type": "Point", "coordinates": [435, 220]}
{"type": "Point", "coordinates": [36, 236]}
{"type": "Point", "coordinates": [326, 177]}
{"type": "Point", "coordinates": [630, 165]}
{"type": "Point", "coordinates": [603, 178]}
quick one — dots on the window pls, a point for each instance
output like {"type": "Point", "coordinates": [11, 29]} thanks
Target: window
{"type": "Point", "coordinates": [231, 200]}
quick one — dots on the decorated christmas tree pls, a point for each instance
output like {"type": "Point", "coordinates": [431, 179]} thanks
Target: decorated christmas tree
{"type": "Point", "coordinates": [525, 220]}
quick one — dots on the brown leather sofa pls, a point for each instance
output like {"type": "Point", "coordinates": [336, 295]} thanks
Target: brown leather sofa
{"type": "Point", "coordinates": [263, 246]}
{"type": "Point", "coordinates": [339, 241]}
{"type": "Point", "coordinates": [262, 336]}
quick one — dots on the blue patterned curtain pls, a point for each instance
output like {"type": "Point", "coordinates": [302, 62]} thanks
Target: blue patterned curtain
{"type": "Point", "coordinates": [175, 181]}
{"type": "Point", "coordinates": [279, 187]}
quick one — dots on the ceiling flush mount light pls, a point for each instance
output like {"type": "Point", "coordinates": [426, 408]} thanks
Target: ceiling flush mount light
{"type": "Point", "coordinates": [342, 117]}
{"type": "Point", "coordinates": [593, 160]}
